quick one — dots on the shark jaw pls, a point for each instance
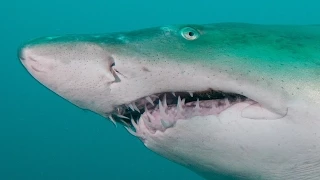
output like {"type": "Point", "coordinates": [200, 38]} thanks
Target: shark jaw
{"type": "Point", "coordinates": [212, 98]}
{"type": "Point", "coordinates": [163, 110]}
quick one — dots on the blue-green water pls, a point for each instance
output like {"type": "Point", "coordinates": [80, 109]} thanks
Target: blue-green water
{"type": "Point", "coordinates": [43, 136]}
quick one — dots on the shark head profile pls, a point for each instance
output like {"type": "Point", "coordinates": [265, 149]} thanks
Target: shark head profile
{"type": "Point", "coordinates": [227, 100]}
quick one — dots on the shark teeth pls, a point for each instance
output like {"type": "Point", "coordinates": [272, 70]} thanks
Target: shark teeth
{"type": "Point", "coordinates": [161, 111]}
{"type": "Point", "coordinates": [112, 120]}
{"type": "Point", "coordinates": [197, 108]}
{"type": "Point", "coordinates": [131, 131]}
{"type": "Point", "coordinates": [148, 98]}
{"type": "Point", "coordinates": [151, 118]}
{"type": "Point", "coordinates": [135, 107]}
{"type": "Point", "coordinates": [179, 104]}
{"type": "Point", "coordinates": [148, 124]}
{"type": "Point", "coordinates": [164, 100]}
{"type": "Point", "coordinates": [120, 116]}
{"type": "Point", "coordinates": [131, 107]}
{"type": "Point", "coordinates": [125, 123]}
{"type": "Point", "coordinates": [135, 125]}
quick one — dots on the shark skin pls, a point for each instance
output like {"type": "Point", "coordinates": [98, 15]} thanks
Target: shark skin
{"type": "Point", "coordinates": [266, 125]}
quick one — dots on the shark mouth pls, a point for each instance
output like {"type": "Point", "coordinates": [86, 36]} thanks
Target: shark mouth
{"type": "Point", "coordinates": [161, 111]}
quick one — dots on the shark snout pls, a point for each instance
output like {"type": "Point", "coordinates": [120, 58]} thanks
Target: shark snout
{"type": "Point", "coordinates": [33, 62]}
{"type": "Point", "coordinates": [21, 56]}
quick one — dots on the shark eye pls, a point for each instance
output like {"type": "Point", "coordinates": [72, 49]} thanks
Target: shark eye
{"type": "Point", "coordinates": [189, 33]}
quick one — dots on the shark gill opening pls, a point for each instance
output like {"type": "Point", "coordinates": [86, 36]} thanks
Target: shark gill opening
{"type": "Point", "coordinates": [127, 114]}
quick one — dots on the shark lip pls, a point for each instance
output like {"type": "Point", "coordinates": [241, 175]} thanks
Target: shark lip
{"type": "Point", "coordinates": [170, 104]}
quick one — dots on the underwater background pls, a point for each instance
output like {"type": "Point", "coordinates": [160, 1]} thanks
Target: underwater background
{"type": "Point", "coordinates": [42, 136]}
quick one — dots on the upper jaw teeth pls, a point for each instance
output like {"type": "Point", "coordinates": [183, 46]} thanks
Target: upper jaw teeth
{"type": "Point", "coordinates": [131, 107]}
{"type": "Point", "coordinates": [149, 101]}
{"type": "Point", "coordinates": [177, 103]}
{"type": "Point", "coordinates": [135, 107]}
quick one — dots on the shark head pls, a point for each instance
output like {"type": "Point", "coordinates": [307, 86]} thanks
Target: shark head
{"type": "Point", "coordinates": [224, 100]}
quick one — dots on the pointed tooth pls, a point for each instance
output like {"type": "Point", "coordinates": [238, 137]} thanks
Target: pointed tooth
{"type": "Point", "coordinates": [112, 120]}
{"type": "Point", "coordinates": [191, 94]}
{"type": "Point", "coordinates": [227, 102]}
{"type": "Point", "coordinates": [148, 98]}
{"type": "Point", "coordinates": [125, 123]}
{"type": "Point", "coordinates": [197, 104]}
{"type": "Point", "coordinates": [162, 110]}
{"type": "Point", "coordinates": [183, 101]}
{"type": "Point", "coordinates": [131, 131]}
{"type": "Point", "coordinates": [166, 124]}
{"type": "Point", "coordinates": [165, 101]}
{"type": "Point", "coordinates": [135, 106]}
{"type": "Point", "coordinates": [135, 125]}
{"type": "Point", "coordinates": [120, 116]}
{"type": "Point", "coordinates": [131, 107]}
{"type": "Point", "coordinates": [174, 94]}
{"type": "Point", "coordinates": [150, 116]}
{"type": "Point", "coordinates": [179, 104]}
{"type": "Point", "coordinates": [179, 100]}
{"type": "Point", "coordinates": [160, 106]}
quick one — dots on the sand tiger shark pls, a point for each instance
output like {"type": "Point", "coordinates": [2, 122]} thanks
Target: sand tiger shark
{"type": "Point", "coordinates": [225, 100]}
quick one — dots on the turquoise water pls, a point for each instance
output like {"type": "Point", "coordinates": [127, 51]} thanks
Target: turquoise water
{"type": "Point", "coordinates": [43, 136]}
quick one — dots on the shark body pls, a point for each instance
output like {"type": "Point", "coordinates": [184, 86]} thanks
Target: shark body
{"type": "Point", "coordinates": [227, 100]}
